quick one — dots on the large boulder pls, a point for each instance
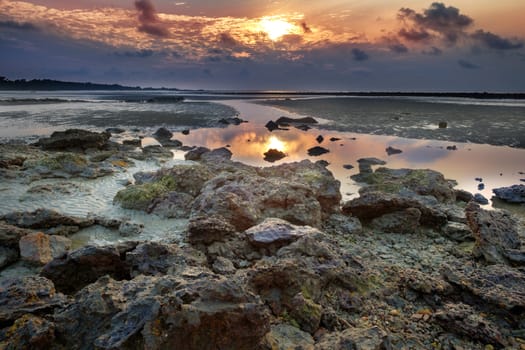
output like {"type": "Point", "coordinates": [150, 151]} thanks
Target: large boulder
{"type": "Point", "coordinates": [512, 194]}
{"type": "Point", "coordinates": [74, 139]}
{"type": "Point", "coordinates": [496, 234]}
{"type": "Point", "coordinates": [201, 312]}
{"type": "Point", "coordinates": [81, 267]}
{"type": "Point", "coordinates": [23, 295]}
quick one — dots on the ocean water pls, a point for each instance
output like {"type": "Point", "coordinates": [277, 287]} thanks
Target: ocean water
{"type": "Point", "coordinates": [352, 128]}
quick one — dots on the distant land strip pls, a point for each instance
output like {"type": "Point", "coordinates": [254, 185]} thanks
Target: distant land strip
{"type": "Point", "coordinates": [56, 85]}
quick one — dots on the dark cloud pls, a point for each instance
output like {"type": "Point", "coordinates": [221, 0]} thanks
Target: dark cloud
{"type": "Point", "coordinates": [414, 34]}
{"type": "Point", "coordinates": [398, 48]}
{"type": "Point", "coordinates": [148, 19]}
{"type": "Point", "coordinates": [467, 65]}
{"type": "Point", "coordinates": [447, 21]}
{"type": "Point", "coordinates": [360, 55]}
{"type": "Point", "coordinates": [17, 25]}
{"type": "Point", "coordinates": [495, 42]}
{"type": "Point", "coordinates": [137, 54]}
{"type": "Point", "coordinates": [433, 51]}
{"type": "Point", "coordinates": [306, 28]}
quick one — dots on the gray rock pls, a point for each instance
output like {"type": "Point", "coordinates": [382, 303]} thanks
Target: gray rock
{"type": "Point", "coordinates": [115, 130]}
{"type": "Point", "coordinates": [44, 219]}
{"type": "Point", "coordinates": [130, 228]}
{"type": "Point", "coordinates": [216, 155]}
{"type": "Point", "coordinates": [463, 196]}
{"type": "Point", "coordinates": [10, 235]}
{"type": "Point", "coordinates": [404, 221]}
{"type": "Point", "coordinates": [75, 139]}
{"type": "Point", "coordinates": [7, 256]}
{"type": "Point", "coordinates": [208, 229]}
{"type": "Point", "coordinates": [195, 154]}
{"type": "Point", "coordinates": [223, 266]}
{"type": "Point", "coordinates": [458, 232]}
{"type": "Point", "coordinates": [512, 194]}
{"type": "Point", "coordinates": [163, 133]}
{"type": "Point", "coordinates": [306, 313]}
{"type": "Point", "coordinates": [342, 224]}
{"type": "Point", "coordinates": [22, 295]}
{"type": "Point", "coordinates": [495, 232]}
{"type": "Point", "coordinates": [276, 232]}
{"type": "Point", "coordinates": [480, 199]}
{"type": "Point", "coordinates": [284, 337]}
{"type": "Point", "coordinates": [365, 164]}
{"type": "Point", "coordinates": [171, 205]}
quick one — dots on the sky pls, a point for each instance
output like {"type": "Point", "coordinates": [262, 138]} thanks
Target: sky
{"type": "Point", "coordinates": [323, 45]}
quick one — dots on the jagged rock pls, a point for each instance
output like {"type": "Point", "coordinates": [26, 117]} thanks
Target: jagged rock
{"type": "Point", "coordinates": [306, 313]}
{"type": "Point", "coordinates": [371, 205]}
{"type": "Point", "coordinates": [284, 337]}
{"type": "Point", "coordinates": [74, 139]}
{"type": "Point", "coordinates": [223, 266]}
{"type": "Point", "coordinates": [391, 150]}
{"type": "Point", "coordinates": [81, 267]}
{"type": "Point", "coordinates": [217, 154]}
{"type": "Point", "coordinates": [355, 338]}
{"type": "Point", "coordinates": [205, 311]}
{"type": "Point", "coordinates": [171, 205]}
{"type": "Point", "coordinates": [480, 199]}
{"type": "Point", "coordinates": [320, 139]}
{"type": "Point", "coordinates": [10, 235]}
{"type": "Point", "coordinates": [305, 120]}
{"type": "Point", "coordinates": [29, 332]}
{"type": "Point", "coordinates": [273, 155]}
{"type": "Point", "coordinates": [464, 320]}
{"type": "Point", "coordinates": [495, 232]}
{"type": "Point", "coordinates": [208, 229]}
{"type": "Point", "coordinates": [458, 232]}
{"type": "Point", "coordinates": [44, 219]}
{"type": "Point", "coordinates": [463, 196]}
{"type": "Point", "coordinates": [39, 248]}
{"type": "Point", "coordinates": [499, 285]}
{"type": "Point", "coordinates": [23, 295]}
{"type": "Point", "coordinates": [317, 151]}
{"type": "Point", "coordinates": [271, 126]}
{"type": "Point", "coordinates": [403, 221]}
{"type": "Point", "coordinates": [512, 194]}
{"type": "Point", "coordinates": [342, 224]}
{"type": "Point", "coordinates": [365, 164]}
{"type": "Point", "coordinates": [196, 153]}
{"type": "Point", "coordinates": [7, 256]}
{"type": "Point", "coordinates": [276, 233]}
{"type": "Point", "coordinates": [130, 228]}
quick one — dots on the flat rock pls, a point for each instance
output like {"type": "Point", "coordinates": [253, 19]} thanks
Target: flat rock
{"type": "Point", "coordinates": [163, 133]}
{"type": "Point", "coordinates": [276, 232]}
{"type": "Point", "coordinates": [74, 139]}
{"type": "Point", "coordinates": [391, 150]}
{"type": "Point", "coordinates": [22, 295]}
{"type": "Point", "coordinates": [317, 151]}
{"type": "Point", "coordinates": [44, 219]}
{"type": "Point", "coordinates": [171, 205]}
{"type": "Point", "coordinates": [305, 120]}
{"type": "Point", "coordinates": [512, 194]}
{"type": "Point", "coordinates": [458, 232]}
{"type": "Point", "coordinates": [273, 155]}
{"type": "Point", "coordinates": [196, 153]}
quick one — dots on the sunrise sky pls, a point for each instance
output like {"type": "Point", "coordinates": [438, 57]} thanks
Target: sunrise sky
{"type": "Point", "coordinates": [400, 45]}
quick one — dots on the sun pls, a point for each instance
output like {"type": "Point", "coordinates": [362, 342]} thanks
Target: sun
{"type": "Point", "coordinates": [275, 143]}
{"type": "Point", "coordinates": [276, 27]}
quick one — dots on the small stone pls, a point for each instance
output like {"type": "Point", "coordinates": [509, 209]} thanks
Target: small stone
{"type": "Point", "coordinates": [442, 125]}
{"type": "Point", "coordinates": [317, 151]}
{"type": "Point", "coordinates": [186, 132]}
{"type": "Point", "coordinates": [334, 139]}
{"type": "Point", "coordinates": [348, 166]}
{"type": "Point", "coordinates": [271, 126]}
{"type": "Point", "coordinates": [391, 150]}
{"type": "Point", "coordinates": [452, 148]}
{"type": "Point", "coordinates": [481, 187]}
{"type": "Point", "coordinates": [320, 139]}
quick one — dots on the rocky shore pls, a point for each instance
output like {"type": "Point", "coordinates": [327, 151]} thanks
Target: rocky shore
{"type": "Point", "coordinates": [270, 258]}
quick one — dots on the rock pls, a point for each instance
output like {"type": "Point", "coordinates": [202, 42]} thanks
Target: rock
{"type": "Point", "coordinates": [39, 248]}
{"type": "Point", "coordinates": [458, 232]}
{"type": "Point", "coordinates": [391, 150]}
{"type": "Point", "coordinates": [284, 337]}
{"type": "Point", "coordinates": [320, 139]}
{"type": "Point", "coordinates": [232, 121]}
{"type": "Point", "coordinates": [341, 224]}
{"type": "Point", "coordinates": [7, 256]}
{"type": "Point", "coordinates": [464, 320]}
{"type": "Point", "coordinates": [81, 267]}
{"type": "Point", "coordinates": [115, 130]}
{"type": "Point", "coordinates": [424, 283]}
{"type": "Point", "coordinates": [463, 196]}
{"type": "Point", "coordinates": [442, 125]}
{"type": "Point", "coordinates": [495, 232]}
{"type": "Point", "coordinates": [303, 127]}
{"type": "Point", "coordinates": [223, 266]}
{"type": "Point", "coordinates": [29, 332]}
{"type": "Point", "coordinates": [42, 219]}
{"type": "Point", "coordinates": [306, 313]}
{"type": "Point", "coordinates": [498, 285]}
{"type": "Point", "coordinates": [273, 155]}
{"type": "Point", "coordinates": [317, 151]}
{"type": "Point", "coordinates": [334, 139]}
{"type": "Point", "coordinates": [452, 148]}
{"type": "Point", "coordinates": [480, 199]}
{"type": "Point", "coordinates": [23, 295]}
{"type": "Point", "coordinates": [10, 235]}
{"type": "Point", "coordinates": [276, 233]}
{"type": "Point", "coordinates": [196, 153]}
{"type": "Point", "coordinates": [130, 228]}
{"type": "Point", "coordinates": [217, 154]}
{"type": "Point", "coordinates": [512, 194]}
{"type": "Point", "coordinates": [371, 205]}
{"type": "Point", "coordinates": [404, 221]}
{"type": "Point", "coordinates": [171, 205]}
{"type": "Point", "coordinates": [156, 151]}
{"type": "Point", "coordinates": [305, 120]}
{"type": "Point", "coordinates": [74, 139]}
{"type": "Point", "coordinates": [64, 165]}
{"type": "Point", "coordinates": [348, 166]}
{"type": "Point", "coordinates": [208, 229]}
{"type": "Point", "coordinates": [271, 126]}
{"type": "Point", "coordinates": [481, 187]}
{"type": "Point", "coordinates": [185, 132]}
{"type": "Point", "coordinates": [206, 311]}
{"type": "Point", "coordinates": [365, 164]}
{"type": "Point", "coordinates": [355, 338]}
{"type": "Point", "coordinates": [132, 142]}
{"type": "Point", "coordinates": [163, 133]}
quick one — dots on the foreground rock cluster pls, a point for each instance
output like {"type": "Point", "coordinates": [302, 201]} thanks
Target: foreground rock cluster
{"type": "Point", "coordinates": [272, 260]}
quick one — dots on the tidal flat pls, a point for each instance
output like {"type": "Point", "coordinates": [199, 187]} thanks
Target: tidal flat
{"type": "Point", "coordinates": [172, 235]}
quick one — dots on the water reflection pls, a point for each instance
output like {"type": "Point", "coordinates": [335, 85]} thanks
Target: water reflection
{"type": "Point", "coordinates": [498, 166]}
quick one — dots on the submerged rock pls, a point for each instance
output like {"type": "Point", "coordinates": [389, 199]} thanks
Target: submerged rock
{"type": "Point", "coordinates": [74, 139]}
{"type": "Point", "coordinates": [512, 194]}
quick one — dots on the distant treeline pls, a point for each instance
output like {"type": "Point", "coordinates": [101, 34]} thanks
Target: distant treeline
{"type": "Point", "coordinates": [48, 84]}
